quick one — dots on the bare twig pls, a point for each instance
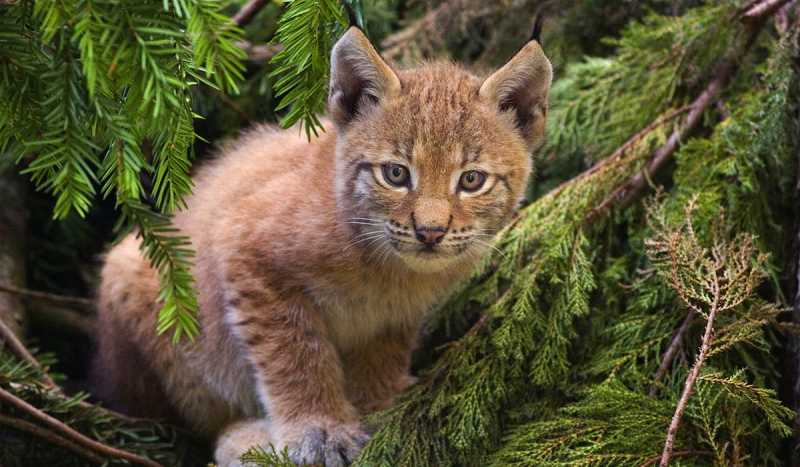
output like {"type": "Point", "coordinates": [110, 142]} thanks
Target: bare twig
{"type": "Point", "coordinates": [78, 302]}
{"type": "Point", "coordinates": [50, 437]}
{"type": "Point", "coordinates": [248, 12]}
{"type": "Point", "coordinates": [20, 351]}
{"type": "Point", "coordinates": [73, 435]}
{"type": "Point", "coordinates": [259, 53]}
{"type": "Point", "coordinates": [62, 318]}
{"type": "Point", "coordinates": [763, 8]}
{"type": "Point", "coordinates": [654, 460]}
{"type": "Point", "coordinates": [688, 387]}
{"type": "Point", "coordinates": [672, 350]}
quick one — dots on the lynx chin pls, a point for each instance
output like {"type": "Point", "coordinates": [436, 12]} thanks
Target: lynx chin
{"type": "Point", "coordinates": [316, 261]}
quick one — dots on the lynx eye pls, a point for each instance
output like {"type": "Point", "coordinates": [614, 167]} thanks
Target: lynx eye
{"type": "Point", "coordinates": [396, 174]}
{"type": "Point", "coordinates": [472, 180]}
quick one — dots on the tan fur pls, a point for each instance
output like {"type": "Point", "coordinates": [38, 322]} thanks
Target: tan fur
{"type": "Point", "coordinates": [311, 283]}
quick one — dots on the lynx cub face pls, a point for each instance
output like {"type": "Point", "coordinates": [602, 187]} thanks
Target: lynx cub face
{"type": "Point", "coordinates": [431, 162]}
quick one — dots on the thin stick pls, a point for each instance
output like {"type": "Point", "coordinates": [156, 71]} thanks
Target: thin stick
{"type": "Point", "coordinates": [688, 387]}
{"type": "Point", "coordinates": [68, 432]}
{"type": "Point", "coordinates": [654, 460]}
{"type": "Point", "coordinates": [672, 350]}
{"type": "Point", "coordinates": [82, 303]}
{"type": "Point", "coordinates": [764, 8]}
{"type": "Point", "coordinates": [50, 437]}
{"type": "Point", "coordinates": [259, 53]}
{"type": "Point", "coordinates": [248, 12]}
{"type": "Point", "coordinates": [20, 351]}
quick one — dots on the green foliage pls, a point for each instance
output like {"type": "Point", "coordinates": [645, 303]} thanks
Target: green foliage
{"type": "Point", "coordinates": [260, 457]}
{"type": "Point", "coordinates": [307, 31]}
{"type": "Point", "coordinates": [96, 92]}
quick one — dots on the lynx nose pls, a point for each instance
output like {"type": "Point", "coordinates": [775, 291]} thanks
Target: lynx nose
{"type": "Point", "coordinates": [430, 235]}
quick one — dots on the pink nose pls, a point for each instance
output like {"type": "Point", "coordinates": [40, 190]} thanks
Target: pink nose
{"type": "Point", "coordinates": [430, 236]}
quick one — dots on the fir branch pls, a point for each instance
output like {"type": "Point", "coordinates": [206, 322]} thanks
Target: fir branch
{"type": "Point", "coordinates": [73, 435]}
{"type": "Point", "coordinates": [306, 30]}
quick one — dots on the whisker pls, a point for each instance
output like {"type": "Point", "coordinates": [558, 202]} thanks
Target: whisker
{"type": "Point", "coordinates": [371, 236]}
{"type": "Point", "coordinates": [364, 223]}
{"type": "Point", "coordinates": [485, 243]}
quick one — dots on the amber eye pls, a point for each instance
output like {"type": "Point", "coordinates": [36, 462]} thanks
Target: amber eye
{"type": "Point", "coordinates": [396, 174]}
{"type": "Point", "coordinates": [472, 180]}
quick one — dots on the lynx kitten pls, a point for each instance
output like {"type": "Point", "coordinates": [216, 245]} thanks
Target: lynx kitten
{"type": "Point", "coordinates": [316, 261]}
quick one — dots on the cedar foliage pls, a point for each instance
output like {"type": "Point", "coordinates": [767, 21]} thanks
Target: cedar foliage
{"type": "Point", "coordinates": [554, 352]}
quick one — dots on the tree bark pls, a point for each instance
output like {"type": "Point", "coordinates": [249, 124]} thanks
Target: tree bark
{"type": "Point", "coordinates": [13, 231]}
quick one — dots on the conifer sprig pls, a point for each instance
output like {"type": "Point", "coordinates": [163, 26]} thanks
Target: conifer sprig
{"type": "Point", "coordinates": [307, 30]}
{"type": "Point", "coordinates": [96, 93]}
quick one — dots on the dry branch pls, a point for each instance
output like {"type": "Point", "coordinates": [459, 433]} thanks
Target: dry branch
{"type": "Point", "coordinates": [675, 344]}
{"type": "Point", "coordinates": [20, 351]}
{"type": "Point", "coordinates": [688, 387]}
{"type": "Point", "coordinates": [259, 53]}
{"type": "Point", "coordinates": [72, 302]}
{"type": "Point", "coordinates": [73, 435]}
{"type": "Point", "coordinates": [50, 437]}
{"type": "Point", "coordinates": [248, 12]}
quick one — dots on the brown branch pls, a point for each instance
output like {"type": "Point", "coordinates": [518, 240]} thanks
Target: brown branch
{"type": "Point", "coordinates": [62, 318]}
{"type": "Point", "coordinates": [622, 150]}
{"type": "Point", "coordinates": [763, 8]}
{"type": "Point", "coordinates": [654, 460]}
{"type": "Point", "coordinates": [629, 191]}
{"type": "Point", "coordinates": [50, 437]}
{"type": "Point", "coordinates": [20, 351]}
{"type": "Point", "coordinates": [78, 302]}
{"type": "Point", "coordinates": [248, 12]}
{"type": "Point", "coordinates": [688, 387]}
{"type": "Point", "coordinates": [259, 53]}
{"type": "Point", "coordinates": [75, 436]}
{"type": "Point", "coordinates": [672, 350]}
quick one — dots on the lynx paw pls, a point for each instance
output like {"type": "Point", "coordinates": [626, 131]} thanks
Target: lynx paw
{"type": "Point", "coordinates": [335, 446]}
{"type": "Point", "coordinates": [238, 439]}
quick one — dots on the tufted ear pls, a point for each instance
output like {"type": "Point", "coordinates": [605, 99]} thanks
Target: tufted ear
{"type": "Point", "coordinates": [359, 77]}
{"type": "Point", "coordinates": [521, 87]}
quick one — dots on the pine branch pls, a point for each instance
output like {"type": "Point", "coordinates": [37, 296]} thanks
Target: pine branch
{"type": "Point", "coordinates": [73, 435]}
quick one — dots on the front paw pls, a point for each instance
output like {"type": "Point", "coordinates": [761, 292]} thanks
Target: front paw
{"type": "Point", "coordinates": [329, 445]}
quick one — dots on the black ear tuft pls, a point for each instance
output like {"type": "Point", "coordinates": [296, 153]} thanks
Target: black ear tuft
{"type": "Point", "coordinates": [536, 35]}
{"type": "Point", "coordinates": [352, 17]}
